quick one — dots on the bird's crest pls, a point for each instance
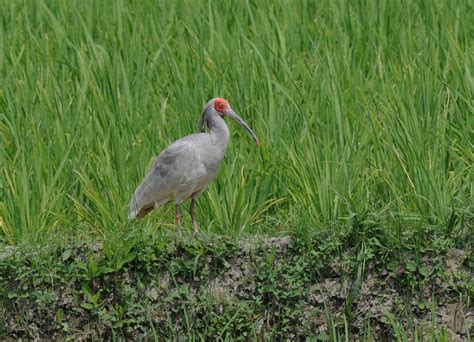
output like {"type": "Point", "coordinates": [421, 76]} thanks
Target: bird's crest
{"type": "Point", "coordinates": [203, 121]}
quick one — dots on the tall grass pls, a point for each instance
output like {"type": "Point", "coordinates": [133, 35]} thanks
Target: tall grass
{"type": "Point", "coordinates": [363, 108]}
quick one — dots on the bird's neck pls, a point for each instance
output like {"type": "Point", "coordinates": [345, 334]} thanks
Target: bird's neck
{"type": "Point", "coordinates": [218, 130]}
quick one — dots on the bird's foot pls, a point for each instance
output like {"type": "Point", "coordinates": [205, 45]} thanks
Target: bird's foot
{"type": "Point", "coordinates": [196, 234]}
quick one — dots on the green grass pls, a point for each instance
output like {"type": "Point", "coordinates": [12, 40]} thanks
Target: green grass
{"type": "Point", "coordinates": [364, 109]}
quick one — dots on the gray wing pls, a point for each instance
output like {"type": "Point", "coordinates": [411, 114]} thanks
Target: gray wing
{"type": "Point", "coordinates": [164, 178]}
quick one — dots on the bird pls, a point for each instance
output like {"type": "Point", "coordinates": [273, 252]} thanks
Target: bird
{"type": "Point", "coordinates": [183, 170]}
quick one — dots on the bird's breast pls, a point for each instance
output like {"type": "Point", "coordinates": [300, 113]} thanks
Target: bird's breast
{"type": "Point", "coordinates": [212, 158]}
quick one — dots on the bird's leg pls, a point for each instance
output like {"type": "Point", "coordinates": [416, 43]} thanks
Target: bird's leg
{"type": "Point", "coordinates": [192, 211]}
{"type": "Point", "coordinates": [178, 216]}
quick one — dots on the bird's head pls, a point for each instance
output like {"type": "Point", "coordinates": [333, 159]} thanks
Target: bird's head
{"type": "Point", "coordinates": [223, 108]}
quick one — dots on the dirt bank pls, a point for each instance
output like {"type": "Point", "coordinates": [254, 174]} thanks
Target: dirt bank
{"type": "Point", "coordinates": [255, 288]}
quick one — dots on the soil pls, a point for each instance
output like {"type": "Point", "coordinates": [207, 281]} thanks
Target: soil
{"type": "Point", "coordinates": [379, 300]}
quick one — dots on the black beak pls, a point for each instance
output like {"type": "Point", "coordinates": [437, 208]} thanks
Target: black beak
{"type": "Point", "coordinates": [241, 122]}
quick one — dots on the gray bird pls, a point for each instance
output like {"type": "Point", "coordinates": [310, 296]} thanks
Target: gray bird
{"type": "Point", "coordinates": [185, 168]}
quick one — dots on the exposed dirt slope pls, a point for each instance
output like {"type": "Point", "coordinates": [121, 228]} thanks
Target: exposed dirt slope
{"type": "Point", "coordinates": [266, 288]}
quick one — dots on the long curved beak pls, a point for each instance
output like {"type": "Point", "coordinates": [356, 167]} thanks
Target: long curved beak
{"type": "Point", "coordinates": [241, 122]}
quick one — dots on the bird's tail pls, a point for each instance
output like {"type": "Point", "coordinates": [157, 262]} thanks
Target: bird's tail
{"type": "Point", "coordinates": [137, 211]}
{"type": "Point", "coordinates": [133, 208]}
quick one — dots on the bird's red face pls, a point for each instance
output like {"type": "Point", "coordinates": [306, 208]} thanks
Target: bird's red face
{"type": "Point", "coordinates": [221, 106]}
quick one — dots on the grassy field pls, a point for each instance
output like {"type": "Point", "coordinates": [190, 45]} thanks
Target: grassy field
{"type": "Point", "coordinates": [364, 109]}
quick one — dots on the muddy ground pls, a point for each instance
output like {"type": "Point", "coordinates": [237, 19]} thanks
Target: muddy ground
{"type": "Point", "coordinates": [266, 288]}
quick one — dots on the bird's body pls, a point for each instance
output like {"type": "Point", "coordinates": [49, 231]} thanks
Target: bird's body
{"type": "Point", "coordinates": [185, 168]}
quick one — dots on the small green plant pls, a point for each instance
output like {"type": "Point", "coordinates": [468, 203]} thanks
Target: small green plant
{"type": "Point", "coordinates": [93, 268]}
{"type": "Point", "coordinates": [93, 301]}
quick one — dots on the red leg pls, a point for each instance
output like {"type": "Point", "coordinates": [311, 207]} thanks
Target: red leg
{"type": "Point", "coordinates": [192, 211]}
{"type": "Point", "coordinates": [178, 216]}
